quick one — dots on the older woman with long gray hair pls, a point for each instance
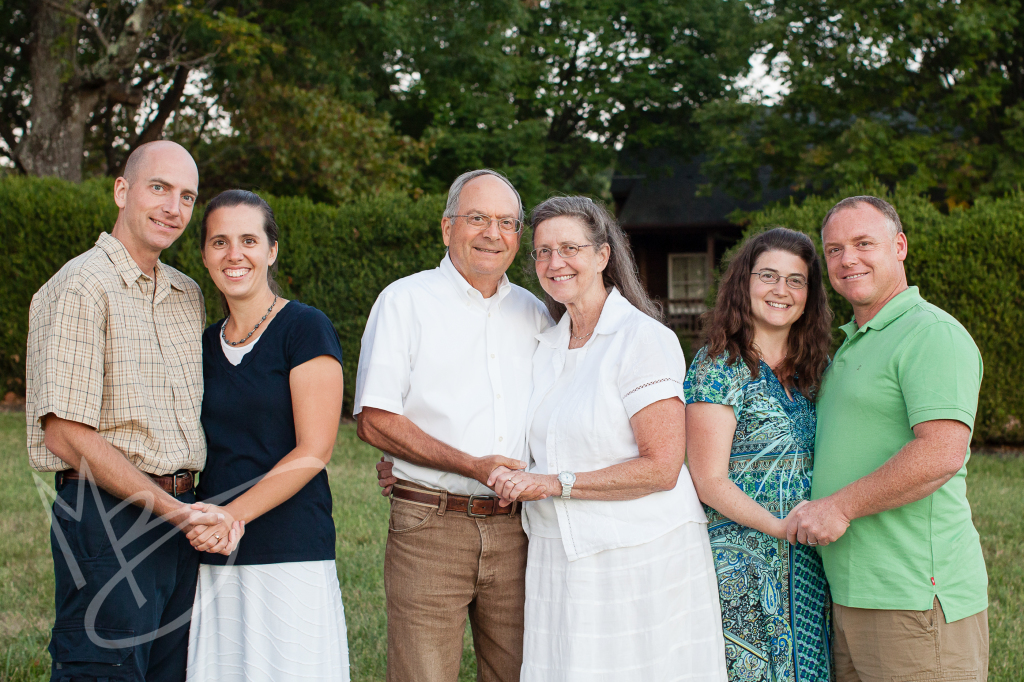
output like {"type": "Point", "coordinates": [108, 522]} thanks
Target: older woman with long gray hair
{"type": "Point", "coordinates": [620, 581]}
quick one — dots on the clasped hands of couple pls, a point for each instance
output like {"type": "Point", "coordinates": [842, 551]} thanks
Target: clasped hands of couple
{"type": "Point", "coordinates": [512, 484]}
{"type": "Point", "coordinates": [212, 529]}
{"type": "Point", "coordinates": [814, 522]}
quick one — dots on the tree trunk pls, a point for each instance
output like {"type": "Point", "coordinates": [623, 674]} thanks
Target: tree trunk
{"type": "Point", "coordinates": [61, 104]}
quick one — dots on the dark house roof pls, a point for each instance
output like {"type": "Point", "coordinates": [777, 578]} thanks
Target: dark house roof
{"type": "Point", "coordinates": [663, 196]}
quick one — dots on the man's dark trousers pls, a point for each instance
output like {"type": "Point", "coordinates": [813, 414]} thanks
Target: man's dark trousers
{"type": "Point", "coordinates": [101, 632]}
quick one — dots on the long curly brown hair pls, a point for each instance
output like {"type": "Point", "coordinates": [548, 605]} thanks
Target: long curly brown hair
{"type": "Point", "coordinates": [729, 326]}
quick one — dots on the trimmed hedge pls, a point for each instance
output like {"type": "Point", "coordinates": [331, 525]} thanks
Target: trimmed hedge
{"type": "Point", "coordinates": [335, 258]}
{"type": "Point", "coordinates": [970, 263]}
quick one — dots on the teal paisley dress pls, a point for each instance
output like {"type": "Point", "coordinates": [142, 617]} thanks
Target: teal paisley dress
{"type": "Point", "coordinates": [775, 600]}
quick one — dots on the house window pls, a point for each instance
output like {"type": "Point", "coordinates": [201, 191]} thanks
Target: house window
{"type": "Point", "coordinates": [687, 283]}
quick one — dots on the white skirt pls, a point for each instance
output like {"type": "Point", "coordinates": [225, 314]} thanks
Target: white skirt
{"type": "Point", "coordinates": [268, 622]}
{"type": "Point", "coordinates": [648, 613]}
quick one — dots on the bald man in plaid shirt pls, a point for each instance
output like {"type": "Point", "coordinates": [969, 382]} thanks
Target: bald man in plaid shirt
{"type": "Point", "coordinates": [115, 386]}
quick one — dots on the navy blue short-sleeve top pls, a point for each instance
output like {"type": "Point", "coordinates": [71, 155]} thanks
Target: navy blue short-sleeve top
{"type": "Point", "coordinates": [250, 427]}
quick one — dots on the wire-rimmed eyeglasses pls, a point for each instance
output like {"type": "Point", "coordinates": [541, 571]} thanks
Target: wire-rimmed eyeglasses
{"type": "Point", "coordinates": [772, 277]}
{"type": "Point", "coordinates": [565, 251]}
{"type": "Point", "coordinates": [479, 221]}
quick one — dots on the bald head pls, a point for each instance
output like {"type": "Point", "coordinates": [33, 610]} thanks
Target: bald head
{"type": "Point", "coordinates": [138, 159]}
{"type": "Point", "coordinates": [155, 198]}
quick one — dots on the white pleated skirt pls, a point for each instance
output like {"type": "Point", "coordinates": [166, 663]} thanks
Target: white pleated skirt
{"type": "Point", "coordinates": [268, 622]}
{"type": "Point", "coordinates": [648, 613]}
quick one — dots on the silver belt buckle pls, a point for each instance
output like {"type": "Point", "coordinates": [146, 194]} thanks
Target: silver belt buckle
{"type": "Point", "coordinates": [469, 506]}
{"type": "Point", "coordinates": [174, 482]}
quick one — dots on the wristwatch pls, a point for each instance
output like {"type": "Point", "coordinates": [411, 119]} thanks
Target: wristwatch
{"type": "Point", "coordinates": [567, 479]}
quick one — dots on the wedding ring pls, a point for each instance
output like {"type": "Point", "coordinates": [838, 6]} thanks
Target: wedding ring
{"type": "Point", "coordinates": [216, 536]}
{"type": "Point", "coordinates": [813, 544]}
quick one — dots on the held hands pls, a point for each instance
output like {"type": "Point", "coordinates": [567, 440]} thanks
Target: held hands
{"type": "Point", "coordinates": [219, 537]}
{"type": "Point", "coordinates": [492, 471]}
{"type": "Point", "coordinates": [816, 523]}
{"type": "Point", "coordinates": [482, 467]}
{"type": "Point", "coordinates": [513, 485]}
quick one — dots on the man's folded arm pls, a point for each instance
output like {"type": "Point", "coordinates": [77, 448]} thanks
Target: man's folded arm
{"type": "Point", "coordinates": [397, 435]}
{"type": "Point", "coordinates": [75, 443]}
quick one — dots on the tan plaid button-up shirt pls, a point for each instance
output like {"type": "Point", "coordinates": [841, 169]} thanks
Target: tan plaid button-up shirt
{"type": "Point", "coordinates": [112, 349]}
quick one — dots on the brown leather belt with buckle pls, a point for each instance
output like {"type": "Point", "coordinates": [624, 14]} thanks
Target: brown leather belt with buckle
{"type": "Point", "coordinates": [477, 506]}
{"type": "Point", "coordinates": [178, 483]}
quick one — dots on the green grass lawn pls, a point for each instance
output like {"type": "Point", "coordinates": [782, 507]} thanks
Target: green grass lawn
{"type": "Point", "coordinates": [996, 488]}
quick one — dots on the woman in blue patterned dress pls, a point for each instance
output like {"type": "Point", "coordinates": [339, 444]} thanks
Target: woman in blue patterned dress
{"type": "Point", "coordinates": [749, 442]}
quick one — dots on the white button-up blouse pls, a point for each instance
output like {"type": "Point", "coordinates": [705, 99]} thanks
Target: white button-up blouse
{"type": "Point", "coordinates": [631, 362]}
{"type": "Point", "coordinates": [456, 364]}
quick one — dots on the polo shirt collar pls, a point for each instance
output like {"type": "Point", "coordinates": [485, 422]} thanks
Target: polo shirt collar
{"type": "Point", "coordinates": [129, 270]}
{"type": "Point", "coordinates": [891, 311]}
{"type": "Point", "coordinates": [466, 289]}
{"type": "Point", "coordinates": [614, 315]}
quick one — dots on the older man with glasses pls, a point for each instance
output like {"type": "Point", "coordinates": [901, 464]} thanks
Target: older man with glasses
{"type": "Point", "coordinates": [442, 389]}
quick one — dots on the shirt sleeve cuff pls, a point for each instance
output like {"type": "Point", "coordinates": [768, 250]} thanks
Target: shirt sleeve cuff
{"type": "Point", "coordinates": [934, 413]}
{"type": "Point", "coordinates": [380, 403]}
{"type": "Point", "coordinates": [648, 395]}
{"type": "Point", "coordinates": [92, 419]}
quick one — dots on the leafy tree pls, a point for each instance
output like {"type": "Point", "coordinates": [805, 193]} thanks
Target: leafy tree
{"type": "Point", "coordinates": [547, 91]}
{"type": "Point", "coordinates": [75, 69]}
{"type": "Point", "coordinates": [544, 91]}
{"type": "Point", "coordinates": [87, 82]}
{"type": "Point", "coordinates": [336, 98]}
{"type": "Point", "coordinates": [306, 142]}
{"type": "Point", "coordinates": [923, 93]}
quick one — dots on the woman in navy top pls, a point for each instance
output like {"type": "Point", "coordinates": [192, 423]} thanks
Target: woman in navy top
{"type": "Point", "coordinates": [271, 609]}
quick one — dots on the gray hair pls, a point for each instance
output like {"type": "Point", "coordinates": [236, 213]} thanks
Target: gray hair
{"type": "Point", "coordinates": [601, 228]}
{"type": "Point", "coordinates": [451, 209]}
{"type": "Point", "coordinates": [892, 218]}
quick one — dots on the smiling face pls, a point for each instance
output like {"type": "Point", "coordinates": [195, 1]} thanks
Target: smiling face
{"type": "Point", "coordinates": [569, 280]}
{"type": "Point", "coordinates": [777, 306]}
{"type": "Point", "coordinates": [156, 205]}
{"type": "Point", "coordinates": [238, 253]}
{"type": "Point", "coordinates": [865, 262]}
{"type": "Point", "coordinates": [482, 256]}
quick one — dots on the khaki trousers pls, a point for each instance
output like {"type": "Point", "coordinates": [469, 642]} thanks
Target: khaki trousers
{"type": "Point", "coordinates": [876, 645]}
{"type": "Point", "coordinates": [441, 568]}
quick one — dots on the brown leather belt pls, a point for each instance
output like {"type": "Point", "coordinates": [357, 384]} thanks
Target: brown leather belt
{"type": "Point", "coordinates": [477, 506]}
{"type": "Point", "coordinates": [178, 483]}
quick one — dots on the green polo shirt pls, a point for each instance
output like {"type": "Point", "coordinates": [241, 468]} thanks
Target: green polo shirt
{"type": "Point", "coordinates": [909, 364]}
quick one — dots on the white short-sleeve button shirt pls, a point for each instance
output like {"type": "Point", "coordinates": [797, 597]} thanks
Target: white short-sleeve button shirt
{"type": "Point", "coordinates": [630, 362]}
{"type": "Point", "coordinates": [456, 364]}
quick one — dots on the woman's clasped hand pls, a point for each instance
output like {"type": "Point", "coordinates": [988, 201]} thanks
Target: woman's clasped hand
{"type": "Point", "coordinates": [221, 538]}
{"type": "Point", "coordinates": [521, 486]}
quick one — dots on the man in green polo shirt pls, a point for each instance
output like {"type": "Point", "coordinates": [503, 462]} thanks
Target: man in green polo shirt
{"type": "Point", "coordinates": [889, 504]}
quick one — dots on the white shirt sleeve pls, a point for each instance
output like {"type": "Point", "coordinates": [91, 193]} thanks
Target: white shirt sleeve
{"type": "Point", "coordinates": [385, 356]}
{"type": "Point", "coordinates": [653, 369]}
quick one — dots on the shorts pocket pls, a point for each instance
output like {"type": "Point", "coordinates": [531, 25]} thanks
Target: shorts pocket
{"type": "Point", "coordinates": [83, 524]}
{"type": "Point", "coordinates": [70, 521]}
{"type": "Point", "coordinates": [408, 516]}
{"type": "Point", "coordinates": [75, 655]}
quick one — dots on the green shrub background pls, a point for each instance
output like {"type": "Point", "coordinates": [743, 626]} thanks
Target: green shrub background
{"type": "Point", "coordinates": [338, 258]}
{"type": "Point", "coordinates": [335, 258]}
{"type": "Point", "coordinates": [970, 263]}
